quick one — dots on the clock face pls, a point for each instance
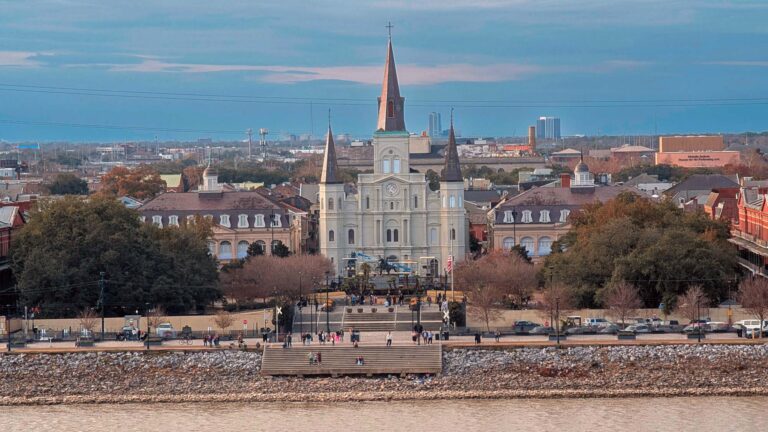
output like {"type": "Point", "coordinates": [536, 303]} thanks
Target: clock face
{"type": "Point", "coordinates": [391, 188]}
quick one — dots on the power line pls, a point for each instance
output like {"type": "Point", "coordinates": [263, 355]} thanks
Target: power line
{"type": "Point", "coordinates": [465, 103]}
{"type": "Point", "coordinates": [118, 127]}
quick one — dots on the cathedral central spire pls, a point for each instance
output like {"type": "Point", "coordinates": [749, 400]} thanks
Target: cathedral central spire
{"type": "Point", "coordinates": [391, 104]}
{"type": "Point", "coordinates": [452, 167]}
{"type": "Point", "coordinates": [330, 174]}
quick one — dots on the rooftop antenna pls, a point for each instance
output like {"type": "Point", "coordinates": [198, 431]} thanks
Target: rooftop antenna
{"type": "Point", "coordinates": [249, 131]}
{"type": "Point", "coordinates": [263, 132]}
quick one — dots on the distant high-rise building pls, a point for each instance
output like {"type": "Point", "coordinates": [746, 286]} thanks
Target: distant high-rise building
{"type": "Point", "coordinates": [548, 128]}
{"type": "Point", "coordinates": [435, 127]}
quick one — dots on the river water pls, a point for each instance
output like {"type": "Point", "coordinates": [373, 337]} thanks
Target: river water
{"type": "Point", "coordinates": [698, 414]}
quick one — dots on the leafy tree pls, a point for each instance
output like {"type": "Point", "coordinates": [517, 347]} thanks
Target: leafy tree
{"type": "Point", "coordinates": [58, 255]}
{"type": "Point", "coordinates": [141, 182]}
{"type": "Point", "coordinates": [68, 184]}
{"type": "Point", "coordinates": [280, 250]}
{"type": "Point", "coordinates": [522, 251]}
{"type": "Point", "coordinates": [655, 246]}
{"type": "Point", "coordinates": [255, 249]}
{"type": "Point", "coordinates": [433, 179]}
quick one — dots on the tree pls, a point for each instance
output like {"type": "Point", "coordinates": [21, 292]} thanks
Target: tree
{"type": "Point", "coordinates": [280, 250]}
{"type": "Point", "coordinates": [156, 316]}
{"type": "Point", "coordinates": [88, 320]}
{"type": "Point", "coordinates": [141, 182]}
{"type": "Point", "coordinates": [555, 300]}
{"type": "Point", "coordinates": [68, 184]}
{"type": "Point", "coordinates": [255, 249]}
{"type": "Point", "coordinates": [622, 301]}
{"type": "Point", "coordinates": [223, 319]}
{"type": "Point", "coordinates": [522, 251]}
{"type": "Point", "coordinates": [493, 278]}
{"type": "Point", "coordinates": [635, 239]}
{"type": "Point", "coordinates": [692, 302]}
{"type": "Point", "coordinates": [753, 296]}
{"type": "Point", "coordinates": [57, 256]}
{"type": "Point", "coordinates": [433, 179]}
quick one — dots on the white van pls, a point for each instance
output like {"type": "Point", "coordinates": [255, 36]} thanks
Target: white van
{"type": "Point", "coordinates": [596, 322]}
{"type": "Point", "coordinates": [749, 325]}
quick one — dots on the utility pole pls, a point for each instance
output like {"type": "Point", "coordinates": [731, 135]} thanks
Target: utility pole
{"type": "Point", "coordinates": [249, 131]}
{"type": "Point", "coordinates": [101, 301]}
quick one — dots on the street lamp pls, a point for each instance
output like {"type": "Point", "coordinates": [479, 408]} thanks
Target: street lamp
{"type": "Point", "coordinates": [698, 318]}
{"type": "Point", "coordinates": [514, 226]}
{"type": "Point", "coordinates": [301, 322]}
{"type": "Point", "coordinates": [557, 320]}
{"type": "Point", "coordinates": [146, 337]}
{"type": "Point", "coordinates": [327, 312]}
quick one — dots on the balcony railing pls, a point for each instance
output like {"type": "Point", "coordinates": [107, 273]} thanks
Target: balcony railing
{"type": "Point", "coordinates": [749, 237]}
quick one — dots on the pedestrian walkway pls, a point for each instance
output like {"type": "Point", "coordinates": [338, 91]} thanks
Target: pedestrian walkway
{"type": "Point", "coordinates": [349, 360]}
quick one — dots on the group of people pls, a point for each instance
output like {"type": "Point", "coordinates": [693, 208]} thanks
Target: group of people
{"type": "Point", "coordinates": [323, 337]}
{"type": "Point", "coordinates": [315, 358]}
{"type": "Point", "coordinates": [420, 335]}
{"type": "Point", "coordinates": [211, 340]}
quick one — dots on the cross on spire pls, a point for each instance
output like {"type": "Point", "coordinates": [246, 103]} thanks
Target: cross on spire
{"type": "Point", "coordinates": [389, 29]}
{"type": "Point", "coordinates": [451, 117]}
{"type": "Point", "coordinates": [329, 118]}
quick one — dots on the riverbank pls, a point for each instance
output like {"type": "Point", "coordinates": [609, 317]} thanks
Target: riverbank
{"type": "Point", "coordinates": [233, 376]}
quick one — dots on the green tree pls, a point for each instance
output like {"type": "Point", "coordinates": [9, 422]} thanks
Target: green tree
{"type": "Point", "coordinates": [433, 179]}
{"type": "Point", "coordinates": [255, 249]}
{"type": "Point", "coordinates": [280, 250]}
{"type": "Point", "coordinates": [58, 255]}
{"type": "Point", "coordinates": [656, 247]}
{"type": "Point", "coordinates": [68, 184]}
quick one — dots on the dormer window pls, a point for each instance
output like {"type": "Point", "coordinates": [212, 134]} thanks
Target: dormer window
{"type": "Point", "coordinates": [224, 220]}
{"type": "Point", "coordinates": [173, 220]}
{"type": "Point", "coordinates": [509, 216]}
{"type": "Point", "coordinates": [564, 215]}
{"type": "Point", "coordinates": [157, 220]}
{"type": "Point", "coordinates": [242, 221]}
{"type": "Point", "coordinates": [259, 222]}
{"type": "Point", "coordinates": [544, 216]}
{"type": "Point", "coordinates": [276, 221]}
{"type": "Point", "coordinates": [527, 217]}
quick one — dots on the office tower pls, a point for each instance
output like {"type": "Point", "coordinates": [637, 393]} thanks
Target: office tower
{"type": "Point", "coordinates": [548, 128]}
{"type": "Point", "coordinates": [435, 127]}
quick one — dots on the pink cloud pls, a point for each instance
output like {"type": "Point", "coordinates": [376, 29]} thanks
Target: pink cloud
{"type": "Point", "coordinates": [20, 58]}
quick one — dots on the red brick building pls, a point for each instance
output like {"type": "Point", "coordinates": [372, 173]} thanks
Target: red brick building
{"type": "Point", "coordinates": [750, 229]}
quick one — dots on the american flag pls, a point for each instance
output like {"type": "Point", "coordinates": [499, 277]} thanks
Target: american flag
{"type": "Point", "coordinates": [449, 265]}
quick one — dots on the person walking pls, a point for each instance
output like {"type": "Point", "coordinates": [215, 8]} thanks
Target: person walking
{"type": "Point", "coordinates": [497, 335]}
{"type": "Point", "coordinates": [477, 338]}
{"type": "Point", "coordinates": [311, 358]}
{"type": "Point", "coordinates": [319, 357]}
{"type": "Point", "coordinates": [389, 338]}
{"type": "Point", "coordinates": [289, 339]}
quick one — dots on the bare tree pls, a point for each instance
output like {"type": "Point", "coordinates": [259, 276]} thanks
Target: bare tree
{"type": "Point", "coordinates": [223, 319]}
{"type": "Point", "coordinates": [692, 302]}
{"type": "Point", "coordinates": [156, 316]}
{"type": "Point", "coordinates": [88, 320]}
{"type": "Point", "coordinates": [622, 300]}
{"type": "Point", "coordinates": [753, 296]}
{"type": "Point", "coordinates": [490, 280]}
{"type": "Point", "coordinates": [556, 299]}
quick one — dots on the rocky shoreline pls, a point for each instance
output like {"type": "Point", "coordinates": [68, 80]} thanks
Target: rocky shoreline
{"type": "Point", "coordinates": [233, 376]}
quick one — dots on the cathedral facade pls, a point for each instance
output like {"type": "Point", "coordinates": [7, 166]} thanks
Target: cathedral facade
{"type": "Point", "coordinates": [393, 215]}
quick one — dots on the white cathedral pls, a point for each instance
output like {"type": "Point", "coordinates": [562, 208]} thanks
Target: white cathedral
{"type": "Point", "coordinates": [394, 215]}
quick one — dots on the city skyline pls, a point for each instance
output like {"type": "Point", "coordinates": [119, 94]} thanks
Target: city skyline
{"type": "Point", "coordinates": [85, 71]}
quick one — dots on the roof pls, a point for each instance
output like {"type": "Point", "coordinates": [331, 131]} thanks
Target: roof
{"type": "Point", "coordinates": [452, 166]}
{"type": "Point", "coordinates": [202, 201]}
{"type": "Point", "coordinates": [390, 92]}
{"type": "Point", "coordinates": [632, 149]}
{"type": "Point", "coordinates": [702, 182]}
{"type": "Point", "coordinates": [476, 214]}
{"type": "Point", "coordinates": [330, 174]}
{"type": "Point", "coordinates": [567, 152]}
{"type": "Point", "coordinates": [171, 180]}
{"type": "Point", "coordinates": [481, 196]}
{"type": "Point", "coordinates": [309, 191]}
{"type": "Point", "coordinates": [210, 171]}
{"type": "Point", "coordinates": [8, 214]}
{"type": "Point", "coordinates": [581, 167]}
{"type": "Point", "coordinates": [642, 178]}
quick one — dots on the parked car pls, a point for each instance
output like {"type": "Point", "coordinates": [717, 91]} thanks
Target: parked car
{"type": "Point", "coordinates": [523, 326]}
{"type": "Point", "coordinates": [165, 331]}
{"type": "Point", "coordinates": [542, 330]}
{"type": "Point", "coordinates": [638, 328]}
{"type": "Point", "coordinates": [595, 322]}
{"type": "Point", "coordinates": [610, 329]}
{"type": "Point", "coordinates": [692, 328]}
{"type": "Point", "coordinates": [127, 333]}
{"type": "Point", "coordinates": [578, 330]}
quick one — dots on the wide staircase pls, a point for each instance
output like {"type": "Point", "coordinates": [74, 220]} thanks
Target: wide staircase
{"type": "Point", "coordinates": [430, 320]}
{"type": "Point", "coordinates": [370, 321]}
{"type": "Point", "coordinates": [341, 360]}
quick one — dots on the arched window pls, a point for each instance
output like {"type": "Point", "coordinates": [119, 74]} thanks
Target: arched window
{"type": "Point", "coordinates": [545, 246]}
{"type": "Point", "coordinates": [453, 234]}
{"type": "Point", "coordinates": [389, 236]}
{"type": "Point", "coordinates": [275, 244]}
{"type": "Point", "coordinates": [527, 243]}
{"type": "Point", "coordinates": [390, 108]}
{"type": "Point", "coordinates": [433, 236]}
{"type": "Point", "coordinates": [508, 243]}
{"type": "Point", "coordinates": [330, 203]}
{"type": "Point", "coordinates": [242, 249]}
{"type": "Point", "coordinates": [351, 237]}
{"type": "Point", "coordinates": [331, 236]}
{"type": "Point", "coordinates": [395, 236]}
{"type": "Point", "coordinates": [367, 202]}
{"type": "Point", "coordinates": [460, 203]}
{"type": "Point", "coordinates": [261, 246]}
{"type": "Point", "coordinates": [385, 164]}
{"type": "Point", "coordinates": [452, 201]}
{"type": "Point", "coordinates": [415, 201]}
{"type": "Point", "coordinates": [396, 166]}
{"type": "Point", "coordinates": [225, 250]}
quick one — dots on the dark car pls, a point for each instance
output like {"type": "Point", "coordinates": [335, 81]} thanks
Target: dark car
{"type": "Point", "coordinates": [525, 326]}
{"type": "Point", "coordinates": [542, 330]}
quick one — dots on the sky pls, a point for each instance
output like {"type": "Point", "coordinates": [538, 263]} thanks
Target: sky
{"type": "Point", "coordinates": [94, 70]}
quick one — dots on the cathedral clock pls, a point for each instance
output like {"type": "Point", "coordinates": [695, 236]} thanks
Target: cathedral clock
{"type": "Point", "coordinates": [391, 189]}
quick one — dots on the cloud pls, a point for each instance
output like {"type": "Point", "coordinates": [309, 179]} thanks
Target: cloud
{"type": "Point", "coordinates": [20, 58]}
{"type": "Point", "coordinates": [407, 73]}
{"type": "Point", "coordinates": [746, 63]}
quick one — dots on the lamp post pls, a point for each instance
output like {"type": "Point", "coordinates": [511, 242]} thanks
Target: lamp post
{"type": "Point", "coordinates": [101, 301]}
{"type": "Point", "coordinates": [698, 319]}
{"type": "Point", "coordinates": [146, 337]}
{"type": "Point", "coordinates": [327, 312]}
{"type": "Point", "coordinates": [272, 233]}
{"type": "Point", "coordinates": [8, 325]}
{"type": "Point", "coordinates": [301, 322]}
{"type": "Point", "coordinates": [514, 226]}
{"type": "Point", "coordinates": [557, 320]}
